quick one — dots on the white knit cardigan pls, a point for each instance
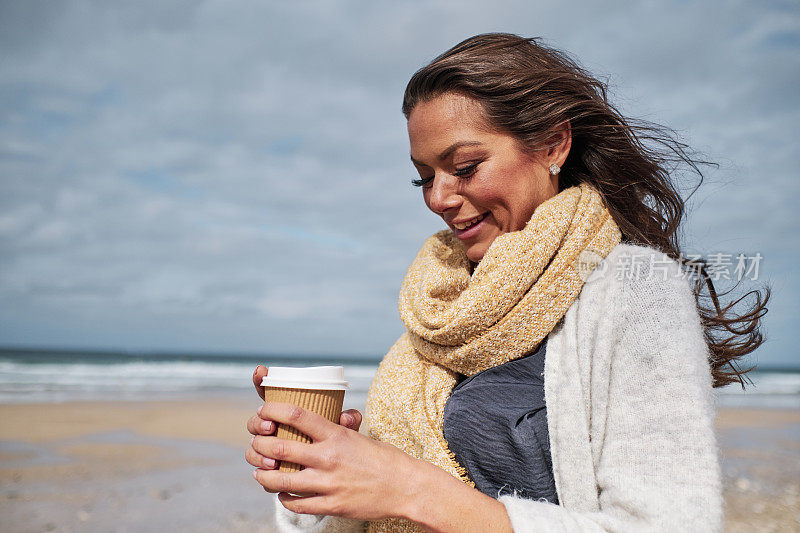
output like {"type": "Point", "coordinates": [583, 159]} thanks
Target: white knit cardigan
{"type": "Point", "coordinates": [630, 411]}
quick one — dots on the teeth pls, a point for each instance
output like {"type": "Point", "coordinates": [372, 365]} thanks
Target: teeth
{"type": "Point", "coordinates": [469, 223]}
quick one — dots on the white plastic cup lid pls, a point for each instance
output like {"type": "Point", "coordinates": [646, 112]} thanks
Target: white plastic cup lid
{"type": "Point", "coordinates": [310, 377]}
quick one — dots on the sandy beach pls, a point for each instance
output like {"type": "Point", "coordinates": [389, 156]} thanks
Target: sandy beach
{"type": "Point", "coordinates": [178, 465]}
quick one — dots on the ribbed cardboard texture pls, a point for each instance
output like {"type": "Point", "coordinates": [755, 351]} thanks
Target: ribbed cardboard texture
{"type": "Point", "coordinates": [327, 403]}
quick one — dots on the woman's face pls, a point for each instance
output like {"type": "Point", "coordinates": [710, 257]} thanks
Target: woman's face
{"type": "Point", "coordinates": [480, 181]}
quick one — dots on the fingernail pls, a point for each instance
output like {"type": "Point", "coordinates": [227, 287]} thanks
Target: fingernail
{"type": "Point", "coordinates": [267, 426]}
{"type": "Point", "coordinates": [260, 407]}
{"type": "Point", "coordinates": [255, 474]}
{"type": "Point", "coordinates": [348, 419]}
{"type": "Point", "coordinates": [268, 462]}
{"type": "Point", "coordinates": [251, 440]}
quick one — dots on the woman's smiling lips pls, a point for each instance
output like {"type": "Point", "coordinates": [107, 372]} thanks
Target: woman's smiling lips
{"type": "Point", "coordinates": [468, 228]}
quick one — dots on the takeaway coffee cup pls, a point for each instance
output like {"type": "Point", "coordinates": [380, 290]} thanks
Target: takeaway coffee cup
{"type": "Point", "coordinates": [317, 388]}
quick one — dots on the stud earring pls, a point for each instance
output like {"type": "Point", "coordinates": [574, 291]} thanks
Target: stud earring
{"type": "Point", "coordinates": [554, 169]}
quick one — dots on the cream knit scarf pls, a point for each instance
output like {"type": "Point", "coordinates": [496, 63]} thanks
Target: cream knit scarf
{"type": "Point", "coordinates": [462, 323]}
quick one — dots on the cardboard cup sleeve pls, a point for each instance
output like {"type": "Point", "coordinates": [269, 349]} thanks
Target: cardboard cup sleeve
{"type": "Point", "coordinates": [327, 403]}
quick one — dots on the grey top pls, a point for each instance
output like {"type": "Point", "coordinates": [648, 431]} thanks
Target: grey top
{"type": "Point", "coordinates": [495, 423]}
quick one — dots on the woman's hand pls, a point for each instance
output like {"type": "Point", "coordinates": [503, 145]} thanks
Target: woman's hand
{"type": "Point", "coordinates": [347, 473]}
{"type": "Point", "coordinates": [333, 446]}
{"type": "Point", "coordinates": [354, 476]}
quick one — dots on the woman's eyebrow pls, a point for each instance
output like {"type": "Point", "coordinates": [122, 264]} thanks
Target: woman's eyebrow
{"type": "Point", "coordinates": [449, 150]}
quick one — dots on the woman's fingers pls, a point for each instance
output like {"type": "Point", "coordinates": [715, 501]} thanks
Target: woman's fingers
{"type": "Point", "coordinates": [351, 419]}
{"type": "Point", "coordinates": [258, 460]}
{"type": "Point", "coordinates": [258, 375]}
{"type": "Point", "coordinates": [317, 504]}
{"type": "Point", "coordinates": [315, 426]}
{"type": "Point", "coordinates": [258, 426]}
{"type": "Point", "coordinates": [287, 450]}
{"type": "Point", "coordinates": [303, 482]}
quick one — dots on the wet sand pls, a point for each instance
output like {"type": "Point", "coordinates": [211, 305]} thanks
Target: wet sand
{"type": "Point", "coordinates": [129, 466]}
{"type": "Point", "coordinates": [179, 465]}
{"type": "Point", "coordinates": [760, 459]}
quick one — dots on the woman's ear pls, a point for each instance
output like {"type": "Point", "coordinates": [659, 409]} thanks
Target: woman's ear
{"type": "Point", "coordinates": [559, 144]}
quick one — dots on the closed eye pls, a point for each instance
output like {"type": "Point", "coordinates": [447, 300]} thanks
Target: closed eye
{"type": "Point", "coordinates": [421, 182]}
{"type": "Point", "coordinates": [466, 172]}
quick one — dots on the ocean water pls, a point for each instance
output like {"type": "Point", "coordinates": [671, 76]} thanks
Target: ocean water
{"type": "Point", "coordinates": [770, 389]}
{"type": "Point", "coordinates": [52, 376]}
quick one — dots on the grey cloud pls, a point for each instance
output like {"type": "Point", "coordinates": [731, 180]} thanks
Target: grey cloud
{"type": "Point", "coordinates": [235, 175]}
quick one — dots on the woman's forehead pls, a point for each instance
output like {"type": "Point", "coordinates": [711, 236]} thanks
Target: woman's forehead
{"type": "Point", "coordinates": [439, 126]}
{"type": "Point", "coordinates": [448, 109]}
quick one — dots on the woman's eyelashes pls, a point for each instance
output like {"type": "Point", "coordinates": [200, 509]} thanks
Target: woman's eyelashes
{"type": "Point", "coordinates": [421, 182]}
{"type": "Point", "coordinates": [464, 172]}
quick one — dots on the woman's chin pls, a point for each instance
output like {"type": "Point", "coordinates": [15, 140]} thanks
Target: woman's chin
{"type": "Point", "coordinates": [476, 251]}
{"type": "Point", "coordinates": [476, 248]}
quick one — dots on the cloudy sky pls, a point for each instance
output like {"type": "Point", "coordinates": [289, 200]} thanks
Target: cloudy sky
{"type": "Point", "coordinates": [233, 176]}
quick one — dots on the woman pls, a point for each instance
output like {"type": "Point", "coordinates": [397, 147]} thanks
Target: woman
{"type": "Point", "coordinates": [557, 368]}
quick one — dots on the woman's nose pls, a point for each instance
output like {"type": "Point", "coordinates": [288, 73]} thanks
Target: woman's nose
{"type": "Point", "coordinates": [444, 194]}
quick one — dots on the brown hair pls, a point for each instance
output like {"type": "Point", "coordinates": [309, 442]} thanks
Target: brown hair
{"type": "Point", "coordinates": [530, 90]}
